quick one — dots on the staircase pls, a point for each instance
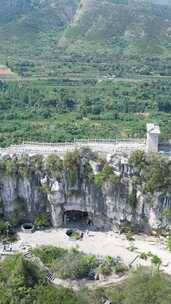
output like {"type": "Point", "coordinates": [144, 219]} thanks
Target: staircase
{"type": "Point", "coordinates": [28, 255]}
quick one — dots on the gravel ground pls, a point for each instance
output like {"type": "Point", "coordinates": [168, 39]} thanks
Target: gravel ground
{"type": "Point", "coordinates": [102, 244]}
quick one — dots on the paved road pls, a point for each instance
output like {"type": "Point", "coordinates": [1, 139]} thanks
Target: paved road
{"type": "Point", "coordinates": [81, 78]}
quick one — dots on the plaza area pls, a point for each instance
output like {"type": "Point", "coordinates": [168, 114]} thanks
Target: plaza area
{"type": "Point", "coordinates": [102, 244]}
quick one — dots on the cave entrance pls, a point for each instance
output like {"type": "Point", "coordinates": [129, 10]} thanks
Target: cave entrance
{"type": "Point", "coordinates": [77, 219]}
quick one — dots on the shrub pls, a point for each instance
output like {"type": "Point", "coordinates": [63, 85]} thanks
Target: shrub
{"type": "Point", "coordinates": [127, 227]}
{"type": "Point", "coordinates": [74, 265]}
{"type": "Point", "coordinates": [88, 172]}
{"type": "Point", "coordinates": [129, 236]}
{"type": "Point", "coordinates": [131, 248]}
{"type": "Point", "coordinates": [67, 263]}
{"type": "Point", "coordinates": [106, 175]}
{"type": "Point", "coordinates": [37, 162]}
{"type": "Point", "coordinates": [167, 213]}
{"type": "Point", "coordinates": [104, 269]}
{"type": "Point", "coordinates": [132, 199]}
{"type": "Point", "coordinates": [23, 164]}
{"type": "Point", "coordinates": [72, 166]}
{"type": "Point", "coordinates": [49, 253]}
{"type": "Point", "coordinates": [143, 256]}
{"type": "Point", "coordinates": [169, 242]}
{"type": "Point", "coordinates": [18, 272]}
{"type": "Point", "coordinates": [110, 264]}
{"type": "Point", "coordinates": [137, 159]}
{"type": "Point", "coordinates": [73, 234]}
{"type": "Point", "coordinates": [52, 295]}
{"type": "Point", "coordinates": [3, 227]}
{"type": "Point", "coordinates": [153, 170]}
{"type": "Point", "coordinates": [42, 220]}
{"type": "Point", "coordinates": [155, 260]}
{"type": "Point", "coordinates": [144, 286]}
{"type": "Point", "coordinates": [45, 188]}
{"type": "Point", "coordinates": [54, 166]}
{"type": "Point", "coordinates": [10, 167]}
{"type": "Point", "coordinates": [121, 268]}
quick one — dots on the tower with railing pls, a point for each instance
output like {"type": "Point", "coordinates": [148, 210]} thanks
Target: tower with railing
{"type": "Point", "coordinates": [153, 132]}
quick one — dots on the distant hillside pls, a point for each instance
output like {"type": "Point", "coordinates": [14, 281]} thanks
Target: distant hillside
{"type": "Point", "coordinates": [86, 69]}
{"type": "Point", "coordinates": [47, 37]}
{"type": "Point", "coordinates": [127, 26]}
{"type": "Point", "coordinates": [36, 14]}
{"type": "Point", "coordinates": [29, 29]}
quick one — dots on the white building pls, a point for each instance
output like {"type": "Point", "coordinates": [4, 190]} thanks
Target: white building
{"type": "Point", "coordinates": [153, 132]}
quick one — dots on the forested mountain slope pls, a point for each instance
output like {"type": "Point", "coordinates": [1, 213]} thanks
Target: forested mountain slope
{"type": "Point", "coordinates": [84, 68]}
{"type": "Point", "coordinates": [36, 15]}
{"type": "Point", "coordinates": [126, 27]}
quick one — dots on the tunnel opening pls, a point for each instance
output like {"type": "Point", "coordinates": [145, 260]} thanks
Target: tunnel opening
{"type": "Point", "coordinates": [77, 219]}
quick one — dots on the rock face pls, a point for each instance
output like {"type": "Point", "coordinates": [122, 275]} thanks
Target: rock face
{"type": "Point", "coordinates": [109, 205]}
{"type": "Point", "coordinates": [22, 196]}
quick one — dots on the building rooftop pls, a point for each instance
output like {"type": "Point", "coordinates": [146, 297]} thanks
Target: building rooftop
{"type": "Point", "coordinates": [153, 128]}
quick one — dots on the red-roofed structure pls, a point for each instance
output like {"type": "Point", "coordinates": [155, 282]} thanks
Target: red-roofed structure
{"type": "Point", "coordinates": [4, 71]}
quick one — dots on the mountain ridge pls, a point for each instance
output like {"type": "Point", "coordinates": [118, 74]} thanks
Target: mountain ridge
{"type": "Point", "coordinates": [132, 23]}
{"type": "Point", "coordinates": [58, 31]}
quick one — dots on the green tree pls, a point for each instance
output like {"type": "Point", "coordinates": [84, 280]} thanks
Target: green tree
{"type": "Point", "coordinates": [145, 287]}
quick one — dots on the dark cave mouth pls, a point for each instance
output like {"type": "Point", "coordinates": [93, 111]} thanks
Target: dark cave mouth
{"type": "Point", "coordinates": [76, 218]}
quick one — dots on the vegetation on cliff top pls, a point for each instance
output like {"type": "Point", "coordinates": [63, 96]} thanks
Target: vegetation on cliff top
{"type": "Point", "coordinates": [73, 171]}
{"type": "Point", "coordinates": [107, 175]}
{"type": "Point", "coordinates": [152, 172]}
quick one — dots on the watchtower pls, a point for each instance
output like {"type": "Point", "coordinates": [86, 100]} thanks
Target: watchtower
{"type": "Point", "coordinates": [153, 132]}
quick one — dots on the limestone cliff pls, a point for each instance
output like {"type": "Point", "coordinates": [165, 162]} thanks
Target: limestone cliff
{"type": "Point", "coordinates": [112, 193]}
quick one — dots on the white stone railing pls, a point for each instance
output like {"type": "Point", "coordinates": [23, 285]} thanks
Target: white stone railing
{"type": "Point", "coordinates": [86, 141]}
{"type": "Point", "coordinates": [100, 146]}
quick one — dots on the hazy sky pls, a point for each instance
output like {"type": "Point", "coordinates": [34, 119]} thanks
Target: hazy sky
{"type": "Point", "coordinates": [162, 1]}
